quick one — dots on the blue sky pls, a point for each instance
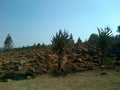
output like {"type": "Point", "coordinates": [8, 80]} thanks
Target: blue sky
{"type": "Point", "coordinates": [36, 21]}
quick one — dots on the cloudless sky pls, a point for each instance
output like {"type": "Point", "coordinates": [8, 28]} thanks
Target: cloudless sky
{"type": "Point", "coordinates": [36, 21]}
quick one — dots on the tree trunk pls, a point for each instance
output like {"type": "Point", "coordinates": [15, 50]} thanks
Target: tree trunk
{"type": "Point", "coordinates": [103, 57]}
{"type": "Point", "coordinates": [60, 62]}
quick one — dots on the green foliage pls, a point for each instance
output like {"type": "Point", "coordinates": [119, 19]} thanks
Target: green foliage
{"type": "Point", "coordinates": [8, 44]}
{"type": "Point", "coordinates": [118, 30]}
{"type": "Point", "coordinates": [60, 41]}
{"type": "Point", "coordinates": [71, 40]}
{"type": "Point", "coordinates": [115, 49]}
{"type": "Point", "coordinates": [104, 39]}
{"type": "Point", "coordinates": [93, 38]}
{"type": "Point", "coordinates": [79, 41]}
{"type": "Point", "coordinates": [43, 45]}
{"type": "Point", "coordinates": [38, 45]}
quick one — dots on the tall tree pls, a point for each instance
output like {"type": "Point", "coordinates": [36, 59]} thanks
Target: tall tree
{"type": "Point", "coordinates": [71, 40]}
{"type": "Point", "coordinates": [116, 44]}
{"type": "Point", "coordinates": [8, 44]}
{"type": "Point", "coordinates": [59, 43]}
{"type": "Point", "coordinates": [93, 38]}
{"type": "Point", "coordinates": [104, 39]}
{"type": "Point", "coordinates": [38, 45]}
{"type": "Point", "coordinates": [78, 41]}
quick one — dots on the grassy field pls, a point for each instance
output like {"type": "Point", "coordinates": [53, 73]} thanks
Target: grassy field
{"type": "Point", "coordinates": [89, 80]}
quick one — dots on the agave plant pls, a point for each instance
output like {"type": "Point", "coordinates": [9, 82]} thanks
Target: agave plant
{"type": "Point", "coordinates": [59, 42]}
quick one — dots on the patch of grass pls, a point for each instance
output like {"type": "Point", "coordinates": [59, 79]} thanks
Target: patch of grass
{"type": "Point", "coordinates": [89, 80]}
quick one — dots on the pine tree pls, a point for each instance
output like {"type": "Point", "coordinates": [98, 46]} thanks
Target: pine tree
{"type": "Point", "coordinates": [104, 39]}
{"type": "Point", "coordinates": [8, 44]}
{"type": "Point", "coordinates": [78, 41]}
{"type": "Point", "coordinates": [118, 29]}
{"type": "Point", "coordinates": [93, 38]}
{"type": "Point", "coordinates": [71, 40]}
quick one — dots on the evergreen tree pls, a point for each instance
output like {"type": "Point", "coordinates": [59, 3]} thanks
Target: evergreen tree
{"type": "Point", "coordinates": [71, 40]}
{"type": "Point", "coordinates": [43, 45]}
{"type": "Point", "coordinates": [38, 45]}
{"type": "Point", "coordinates": [8, 44]}
{"type": "Point", "coordinates": [118, 29]}
{"type": "Point", "coordinates": [116, 45]}
{"type": "Point", "coordinates": [79, 41]}
{"type": "Point", "coordinates": [93, 38]}
{"type": "Point", "coordinates": [104, 39]}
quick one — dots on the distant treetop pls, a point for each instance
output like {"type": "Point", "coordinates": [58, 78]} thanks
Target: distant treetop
{"type": "Point", "coordinates": [8, 44]}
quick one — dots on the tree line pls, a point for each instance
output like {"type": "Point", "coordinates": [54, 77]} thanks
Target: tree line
{"type": "Point", "coordinates": [104, 40]}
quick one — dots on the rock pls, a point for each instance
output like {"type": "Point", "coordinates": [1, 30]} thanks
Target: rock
{"type": "Point", "coordinates": [22, 62]}
{"type": "Point", "coordinates": [118, 70]}
{"type": "Point", "coordinates": [8, 80]}
{"type": "Point", "coordinates": [103, 66]}
{"type": "Point", "coordinates": [104, 73]}
{"type": "Point", "coordinates": [117, 63]}
{"type": "Point", "coordinates": [29, 77]}
{"type": "Point", "coordinates": [19, 68]}
{"type": "Point", "coordinates": [16, 62]}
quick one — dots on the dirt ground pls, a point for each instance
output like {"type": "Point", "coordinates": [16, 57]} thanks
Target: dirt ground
{"type": "Point", "coordinates": [89, 80]}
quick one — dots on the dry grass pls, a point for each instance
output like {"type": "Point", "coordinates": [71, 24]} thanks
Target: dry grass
{"type": "Point", "coordinates": [90, 80]}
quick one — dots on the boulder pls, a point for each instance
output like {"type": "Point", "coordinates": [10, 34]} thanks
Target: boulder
{"type": "Point", "coordinates": [117, 63]}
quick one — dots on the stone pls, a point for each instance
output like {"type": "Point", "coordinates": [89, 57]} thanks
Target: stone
{"type": "Point", "coordinates": [19, 68]}
{"type": "Point", "coordinates": [29, 77]}
{"type": "Point", "coordinates": [22, 62]}
{"type": "Point", "coordinates": [8, 80]}
{"type": "Point", "coordinates": [103, 66]}
{"type": "Point", "coordinates": [103, 73]}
